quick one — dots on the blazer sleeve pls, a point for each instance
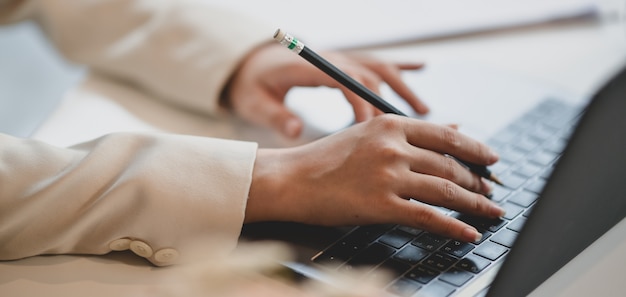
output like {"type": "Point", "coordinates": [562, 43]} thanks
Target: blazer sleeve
{"type": "Point", "coordinates": [181, 51]}
{"type": "Point", "coordinates": [165, 197]}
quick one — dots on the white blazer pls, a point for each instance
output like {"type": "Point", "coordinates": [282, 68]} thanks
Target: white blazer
{"type": "Point", "coordinates": [161, 196]}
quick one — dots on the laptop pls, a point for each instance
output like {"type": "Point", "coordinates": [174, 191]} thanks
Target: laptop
{"type": "Point", "coordinates": [563, 167]}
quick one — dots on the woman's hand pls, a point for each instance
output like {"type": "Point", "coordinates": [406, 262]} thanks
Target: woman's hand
{"type": "Point", "coordinates": [367, 173]}
{"type": "Point", "coordinates": [257, 90]}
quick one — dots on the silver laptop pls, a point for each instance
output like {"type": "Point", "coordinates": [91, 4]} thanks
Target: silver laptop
{"type": "Point", "coordinates": [563, 167]}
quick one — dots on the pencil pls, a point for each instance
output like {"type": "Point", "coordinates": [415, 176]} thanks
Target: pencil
{"type": "Point", "coordinates": [299, 48]}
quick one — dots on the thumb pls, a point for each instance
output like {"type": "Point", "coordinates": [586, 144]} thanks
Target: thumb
{"type": "Point", "coordinates": [278, 117]}
{"type": "Point", "coordinates": [291, 126]}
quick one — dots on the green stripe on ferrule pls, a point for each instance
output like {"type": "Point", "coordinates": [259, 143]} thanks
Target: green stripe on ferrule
{"type": "Point", "coordinates": [293, 43]}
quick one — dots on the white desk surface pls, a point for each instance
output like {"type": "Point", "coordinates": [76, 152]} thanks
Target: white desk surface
{"type": "Point", "coordinates": [575, 57]}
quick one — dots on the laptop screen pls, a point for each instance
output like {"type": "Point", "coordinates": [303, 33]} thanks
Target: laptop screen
{"type": "Point", "coordinates": [584, 197]}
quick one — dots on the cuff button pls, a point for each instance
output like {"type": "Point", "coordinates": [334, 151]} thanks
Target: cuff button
{"type": "Point", "coordinates": [166, 256]}
{"type": "Point", "coordinates": [141, 248]}
{"type": "Point", "coordinates": [121, 244]}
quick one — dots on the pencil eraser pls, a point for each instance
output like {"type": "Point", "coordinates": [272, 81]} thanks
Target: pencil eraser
{"type": "Point", "coordinates": [279, 35]}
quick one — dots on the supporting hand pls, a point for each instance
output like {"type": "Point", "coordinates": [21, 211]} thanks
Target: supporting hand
{"type": "Point", "coordinates": [257, 89]}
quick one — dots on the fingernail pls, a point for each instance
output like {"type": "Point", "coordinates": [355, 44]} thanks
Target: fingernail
{"type": "Point", "coordinates": [472, 235]}
{"type": "Point", "coordinates": [487, 188]}
{"type": "Point", "coordinates": [424, 109]}
{"type": "Point", "coordinates": [497, 211]}
{"type": "Point", "coordinates": [291, 127]}
{"type": "Point", "coordinates": [493, 156]}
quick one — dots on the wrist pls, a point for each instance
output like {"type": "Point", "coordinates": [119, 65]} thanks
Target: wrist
{"type": "Point", "coordinates": [270, 177]}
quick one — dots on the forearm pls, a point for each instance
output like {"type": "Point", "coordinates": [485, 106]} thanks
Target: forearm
{"type": "Point", "coordinates": [171, 192]}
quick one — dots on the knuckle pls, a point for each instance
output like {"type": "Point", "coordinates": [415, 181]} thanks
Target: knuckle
{"type": "Point", "coordinates": [386, 177]}
{"type": "Point", "coordinates": [448, 226]}
{"type": "Point", "coordinates": [478, 204]}
{"type": "Point", "coordinates": [450, 137]}
{"type": "Point", "coordinates": [477, 184]}
{"type": "Point", "coordinates": [424, 217]}
{"type": "Point", "coordinates": [371, 79]}
{"type": "Point", "coordinates": [449, 191]}
{"type": "Point", "coordinates": [389, 152]}
{"type": "Point", "coordinates": [387, 123]}
{"type": "Point", "coordinates": [450, 169]}
{"type": "Point", "coordinates": [427, 219]}
{"type": "Point", "coordinates": [384, 68]}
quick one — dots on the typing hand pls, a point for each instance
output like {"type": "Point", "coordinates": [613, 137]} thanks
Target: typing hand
{"type": "Point", "coordinates": [366, 175]}
{"type": "Point", "coordinates": [258, 88]}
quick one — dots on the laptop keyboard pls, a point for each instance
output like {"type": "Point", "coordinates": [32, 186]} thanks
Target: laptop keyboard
{"type": "Point", "coordinates": [439, 266]}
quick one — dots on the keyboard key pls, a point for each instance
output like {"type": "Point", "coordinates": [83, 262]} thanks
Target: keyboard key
{"type": "Point", "coordinates": [556, 146]}
{"type": "Point", "coordinates": [543, 133]}
{"type": "Point", "coordinates": [490, 250]}
{"type": "Point", "coordinates": [457, 248]}
{"type": "Point", "coordinates": [512, 210]}
{"type": "Point", "coordinates": [523, 125]}
{"type": "Point", "coordinates": [367, 234]}
{"type": "Point", "coordinates": [517, 224]}
{"type": "Point", "coordinates": [330, 259]}
{"type": "Point", "coordinates": [485, 235]}
{"type": "Point", "coordinates": [456, 277]}
{"type": "Point", "coordinates": [505, 237]}
{"type": "Point", "coordinates": [499, 193]}
{"type": "Point", "coordinates": [440, 261]}
{"type": "Point", "coordinates": [429, 241]}
{"type": "Point", "coordinates": [422, 274]}
{"type": "Point", "coordinates": [546, 172]}
{"type": "Point", "coordinates": [403, 287]}
{"type": "Point", "coordinates": [410, 230]}
{"type": "Point", "coordinates": [525, 145]}
{"type": "Point", "coordinates": [528, 170]}
{"type": "Point", "coordinates": [372, 255]}
{"type": "Point", "coordinates": [482, 223]}
{"type": "Point", "coordinates": [394, 266]}
{"type": "Point", "coordinates": [437, 288]}
{"type": "Point", "coordinates": [411, 254]}
{"type": "Point", "coordinates": [335, 255]}
{"type": "Point", "coordinates": [396, 238]}
{"type": "Point", "coordinates": [523, 198]}
{"type": "Point", "coordinates": [536, 186]}
{"type": "Point", "coordinates": [500, 167]}
{"type": "Point", "coordinates": [352, 243]}
{"type": "Point", "coordinates": [473, 263]}
{"type": "Point", "coordinates": [512, 155]}
{"type": "Point", "coordinates": [513, 181]}
{"type": "Point", "coordinates": [528, 211]}
{"type": "Point", "coordinates": [543, 157]}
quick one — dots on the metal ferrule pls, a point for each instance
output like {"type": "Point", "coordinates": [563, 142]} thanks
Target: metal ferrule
{"type": "Point", "coordinates": [291, 43]}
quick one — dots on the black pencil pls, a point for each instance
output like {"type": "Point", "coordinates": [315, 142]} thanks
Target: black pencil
{"type": "Point", "coordinates": [299, 48]}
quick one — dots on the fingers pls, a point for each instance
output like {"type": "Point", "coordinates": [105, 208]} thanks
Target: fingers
{"type": "Point", "coordinates": [446, 140]}
{"type": "Point", "coordinates": [390, 73]}
{"type": "Point", "coordinates": [431, 163]}
{"type": "Point", "coordinates": [363, 110]}
{"type": "Point", "coordinates": [268, 112]}
{"type": "Point", "coordinates": [425, 217]}
{"type": "Point", "coordinates": [409, 66]}
{"type": "Point", "coordinates": [371, 72]}
{"type": "Point", "coordinates": [439, 191]}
